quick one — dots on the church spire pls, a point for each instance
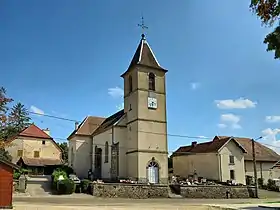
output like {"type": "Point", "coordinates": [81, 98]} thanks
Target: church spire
{"type": "Point", "coordinates": [144, 55]}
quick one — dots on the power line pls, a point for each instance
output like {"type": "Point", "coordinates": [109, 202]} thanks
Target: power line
{"type": "Point", "coordinates": [133, 148]}
{"type": "Point", "coordinates": [167, 134]}
{"type": "Point", "coordinates": [95, 124]}
{"type": "Point", "coordinates": [55, 117]}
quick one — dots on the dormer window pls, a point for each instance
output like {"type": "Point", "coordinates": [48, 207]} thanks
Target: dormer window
{"type": "Point", "coordinates": [129, 84]}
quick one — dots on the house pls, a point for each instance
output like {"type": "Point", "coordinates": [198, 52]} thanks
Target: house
{"type": "Point", "coordinates": [131, 143]}
{"type": "Point", "coordinates": [6, 183]}
{"type": "Point", "coordinates": [266, 158]}
{"type": "Point", "coordinates": [220, 159]}
{"type": "Point", "coordinates": [81, 145]}
{"type": "Point", "coordinates": [229, 158]}
{"type": "Point", "coordinates": [36, 150]}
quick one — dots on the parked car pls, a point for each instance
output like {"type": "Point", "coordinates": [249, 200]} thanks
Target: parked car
{"type": "Point", "coordinates": [74, 178]}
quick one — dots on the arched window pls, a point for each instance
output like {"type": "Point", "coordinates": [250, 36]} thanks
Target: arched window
{"type": "Point", "coordinates": [152, 84]}
{"type": "Point", "coordinates": [130, 83]}
{"type": "Point", "coordinates": [153, 172]}
{"type": "Point", "coordinates": [106, 152]}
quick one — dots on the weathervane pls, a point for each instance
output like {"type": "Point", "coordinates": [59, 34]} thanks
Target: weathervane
{"type": "Point", "coordinates": [143, 26]}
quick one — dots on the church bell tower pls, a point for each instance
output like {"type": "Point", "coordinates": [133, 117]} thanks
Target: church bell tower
{"type": "Point", "coordinates": [145, 108]}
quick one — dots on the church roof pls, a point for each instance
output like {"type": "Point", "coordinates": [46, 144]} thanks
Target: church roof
{"type": "Point", "coordinates": [87, 126]}
{"type": "Point", "coordinates": [109, 122]}
{"type": "Point", "coordinates": [144, 56]}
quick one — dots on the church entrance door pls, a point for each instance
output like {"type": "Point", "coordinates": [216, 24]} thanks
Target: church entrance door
{"type": "Point", "coordinates": [153, 172]}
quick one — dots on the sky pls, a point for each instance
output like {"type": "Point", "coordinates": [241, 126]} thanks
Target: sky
{"type": "Point", "coordinates": [64, 58]}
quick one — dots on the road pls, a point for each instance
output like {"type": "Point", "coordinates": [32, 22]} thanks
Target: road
{"type": "Point", "coordinates": [87, 200]}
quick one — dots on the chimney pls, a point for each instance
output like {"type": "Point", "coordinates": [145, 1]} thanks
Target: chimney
{"type": "Point", "coordinates": [47, 131]}
{"type": "Point", "coordinates": [76, 125]}
{"type": "Point", "coordinates": [194, 143]}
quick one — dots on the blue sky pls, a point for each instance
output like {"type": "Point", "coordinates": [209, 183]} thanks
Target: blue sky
{"type": "Point", "coordinates": [65, 58]}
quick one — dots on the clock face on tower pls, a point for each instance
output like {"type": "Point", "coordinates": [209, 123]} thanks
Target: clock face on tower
{"type": "Point", "coordinates": [152, 103]}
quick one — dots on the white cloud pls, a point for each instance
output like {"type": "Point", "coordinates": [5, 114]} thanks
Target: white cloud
{"type": "Point", "coordinates": [222, 125]}
{"type": "Point", "coordinates": [120, 106]}
{"type": "Point", "coordinates": [229, 120]}
{"type": "Point", "coordinates": [240, 103]}
{"type": "Point", "coordinates": [202, 137]}
{"type": "Point", "coordinates": [272, 119]}
{"type": "Point", "coordinates": [270, 138]}
{"type": "Point", "coordinates": [116, 92]}
{"type": "Point", "coordinates": [36, 110]}
{"type": "Point", "coordinates": [194, 85]}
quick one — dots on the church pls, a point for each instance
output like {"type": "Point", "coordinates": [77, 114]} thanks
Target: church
{"type": "Point", "coordinates": [132, 143]}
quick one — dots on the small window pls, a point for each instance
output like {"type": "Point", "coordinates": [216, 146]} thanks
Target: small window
{"type": "Point", "coordinates": [231, 159]}
{"type": "Point", "coordinates": [130, 83]}
{"type": "Point", "coordinates": [19, 153]}
{"type": "Point", "coordinates": [43, 142]}
{"type": "Point", "coordinates": [152, 85]}
{"type": "Point", "coordinates": [130, 107]}
{"type": "Point", "coordinates": [36, 154]}
{"type": "Point", "coordinates": [232, 175]}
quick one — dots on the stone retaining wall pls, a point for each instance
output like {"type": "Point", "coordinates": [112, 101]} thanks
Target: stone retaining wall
{"type": "Point", "coordinates": [138, 191]}
{"type": "Point", "coordinates": [218, 192]}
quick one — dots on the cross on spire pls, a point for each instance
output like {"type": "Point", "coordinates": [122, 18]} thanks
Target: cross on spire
{"type": "Point", "coordinates": [143, 26]}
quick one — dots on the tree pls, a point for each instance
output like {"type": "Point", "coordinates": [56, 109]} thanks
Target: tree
{"type": "Point", "coordinates": [4, 155]}
{"type": "Point", "coordinates": [64, 147]}
{"type": "Point", "coordinates": [4, 101]}
{"type": "Point", "coordinates": [269, 12]}
{"type": "Point", "coordinates": [19, 118]}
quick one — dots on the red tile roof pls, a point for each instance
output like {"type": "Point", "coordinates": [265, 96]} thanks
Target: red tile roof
{"type": "Point", "coordinates": [34, 131]}
{"type": "Point", "coordinates": [263, 153]}
{"type": "Point", "coordinates": [205, 147]}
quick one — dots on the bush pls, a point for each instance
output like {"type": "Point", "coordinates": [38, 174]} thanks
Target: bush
{"type": "Point", "coordinates": [85, 184]}
{"type": "Point", "coordinates": [68, 170]}
{"type": "Point", "coordinates": [16, 174]}
{"type": "Point", "coordinates": [65, 186]}
{"type": "Point", "coordinates": [55, 175]}
{"type": "Point", "coordinates": [19, 172]}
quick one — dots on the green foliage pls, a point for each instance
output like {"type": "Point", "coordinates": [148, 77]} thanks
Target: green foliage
{"type": "Point", "coordinates": [19, 118]}
{"type": "Point", "coordinates": [4, 155]}
{"type": "Point", "coordinates": [85, 185]}
{"type": "Point", "coordinates": [4, 101]}
{"type": "Point", "coordinates": [269, 12]}
{"type": "Point", "coordinates": [64, 147]}
{"type": "Point", "coordinates": [19, 172]}
{"type": "Point", "coordinates": [273, 42]}
{"type": "Point", "coordinates": [66, 186]}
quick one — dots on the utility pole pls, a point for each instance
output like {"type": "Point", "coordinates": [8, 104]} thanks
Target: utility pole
{"type": "Point", "coordinates": [255, 167]}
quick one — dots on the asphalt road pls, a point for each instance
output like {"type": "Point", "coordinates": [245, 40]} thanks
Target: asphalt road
{"type": "Point", "coordinates": [118, 202]}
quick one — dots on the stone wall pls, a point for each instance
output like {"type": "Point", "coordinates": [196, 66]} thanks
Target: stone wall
{"type": "Point", "coordinates": [215, 191]}
{"type": "Point", "coordinates": [137, 191]}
